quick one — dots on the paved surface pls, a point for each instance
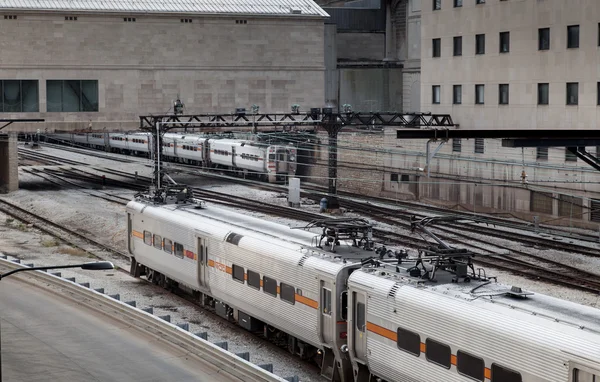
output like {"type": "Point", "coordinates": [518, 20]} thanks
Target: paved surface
{"type": "Point", "coordinates": [46, 337]}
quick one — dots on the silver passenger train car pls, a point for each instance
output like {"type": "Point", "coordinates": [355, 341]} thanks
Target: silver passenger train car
{"type": "Point", "coordinates": [238, 156]}
{"type": "Point", "coordinates": [372, 319]}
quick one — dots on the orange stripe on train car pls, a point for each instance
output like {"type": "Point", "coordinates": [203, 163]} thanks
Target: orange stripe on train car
{"type": "Point", "coordinates": [228, 270]}
{"type": "Point", "coordinates": [487, 373]}
{"type": "Point", "coordinates": [423, 347]}
{"type": "Point", "coordinates": [211, 263]}
{"type": "Point", "coordinates": [389, 334]}
{"type": "Point", "coordinates": [307, 301]}
{"type": "Point", "coordinates": [138, 234]}
{"type": "Point", "coordinates": [453, 359]}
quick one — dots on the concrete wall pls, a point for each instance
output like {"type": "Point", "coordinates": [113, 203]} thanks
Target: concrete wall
{"type": "Point", "coordinates": [9, 172]}
{"type": "Point", "coordinates": [371, 89]}
{"type": "Point", "coordinates": [361, 46]}
{"type": "Point", "coordinates": [214, 64]}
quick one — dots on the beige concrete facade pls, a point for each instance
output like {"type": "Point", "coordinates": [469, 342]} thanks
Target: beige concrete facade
{"type": "Point", "coordinates": [9, 172]}
{"type": "Point", "coordinates": [214, 64]}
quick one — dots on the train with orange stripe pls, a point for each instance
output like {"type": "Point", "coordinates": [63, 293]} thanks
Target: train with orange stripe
{"type": "Point", "coordinates": [365, 316]}
{"type": "Point", "coordinates": [269, 162]}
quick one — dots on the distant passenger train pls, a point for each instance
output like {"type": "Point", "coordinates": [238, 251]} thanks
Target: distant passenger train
{"type": "Point", "coordinates": [372, 319]}
{"type": "Point", "coordinates": [268, 162]}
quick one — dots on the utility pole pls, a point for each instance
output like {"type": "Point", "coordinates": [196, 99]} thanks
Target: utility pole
{"type": "Point", "coordinates": [332, 124]}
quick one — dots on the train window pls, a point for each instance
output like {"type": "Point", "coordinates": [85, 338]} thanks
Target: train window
{"type": "Point", "coordinates": [470, 366]}
{"type": "Point", "coordinates": [148, 237]}
{"type": "Point", "coordinates": [254, 279]}
{"type": "Point", "coordinates": [326, 301]}
{"type": "Point", "coordinates": [167, 246]}
{"type": "Point", "coordinates": [270, 286]}
{"type": "Point", "coordinates": [360, 316]}
{"type": "Point", "coordinates": [502, 374]}
{"type": "Point", "coordinates": [179, 250]}
{"type": "Point", "coordinates": [237, 272]}
{"type": "Point", "coordinates": [437, 352]}
{"type": "Point", "coordinates": [288, 293]}
{"type": "Point", "coordinates": [409, 341]}
{"type": "Point", "coordinates": [344, 311]}
{"type": "Point", "coordinates": [157, 242]}
{"type": "Point", "coordinates": [580, 375]}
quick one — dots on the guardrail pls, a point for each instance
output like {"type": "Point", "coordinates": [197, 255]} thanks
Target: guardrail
{"type": "Point", "coordinates": [237, 365]}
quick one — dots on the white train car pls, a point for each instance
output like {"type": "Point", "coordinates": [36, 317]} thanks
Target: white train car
{"type": "Point", "coordinates": [139, 143]}
{"type": "Point", "coordinates": [98, 140]}
{"type": "Point", "coordinates": [222, 152]}
{"type": "Point", "coordinates": [191, 149]}
{"type": "Point", "coordinates": [169, 144]}
{"type": "Point", "coordinates": [403, 331]}
{"type": "Point", "coordinates": [118, 143]}
{"type": "Point", "coordinates": [264, 275]}
{"type": "Point", "coordinates": [80, 138]}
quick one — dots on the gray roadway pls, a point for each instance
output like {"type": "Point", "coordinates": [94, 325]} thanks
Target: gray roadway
{"type": "Point", "coordinates": [46, 337]}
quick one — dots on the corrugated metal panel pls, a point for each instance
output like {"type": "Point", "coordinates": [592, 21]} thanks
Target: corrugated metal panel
{"type": "Point", "coordinates": [234, 7]}
{"type": "Point", "coordinates": [357, 20]}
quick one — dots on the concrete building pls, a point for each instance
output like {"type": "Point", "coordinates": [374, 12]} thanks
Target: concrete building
{"type": "Point", "coordinates": [85, 64]}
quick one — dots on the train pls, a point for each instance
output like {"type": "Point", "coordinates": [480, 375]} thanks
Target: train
{"type": "Point", "coordinates": [366, 312]}
{"type": "Point", "coordinates": [266, 162]}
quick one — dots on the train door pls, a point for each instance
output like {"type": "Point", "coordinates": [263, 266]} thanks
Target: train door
{"type": "Point", "coordinates": [583, 373]}
{"type": "Point", "coordinates": [202, 261]}
{"type": "Point", "coordinates": [129, 234]}
{"type": "Point", "coordinates": [325, 312]}
{"type": "Point", "coordinates": [282, 165]}
{"type": "Point", "coordinates": [233, 156]}
{"type": "Point", "coordinates": [359, 327]}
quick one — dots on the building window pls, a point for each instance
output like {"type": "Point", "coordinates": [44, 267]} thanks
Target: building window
{"type": "Point", "coordinates": [147, 237]}
{"type": "Point", "coordinates": [470, 366]}
{"type": "Point", "coordinates": [572, 93]}
{"type": "Point", "coordinates": [435, 94]}
{"type": "Point", "coordinates": [186, 21]}
{"type": "Point", "coordinates": [129, 19]}
{"type": "Point", "coordinates": [479, 94]}
{"type": "Point", "coordinates": [326, 301]}
{"type": "Point", "coordinates": [19, 96]}
{"type": "Point", "coordinates": [10, 17]}
{"type": "Point", "coordinates": [457, 47]}
{"type": "Point", "coordinates": [168, 246]}
{"type": "Point", "coordinates": [438, 353]}
{"type": "Point", "coordinates": [457, 3]}
{"type": "Point", "coordinates": [544, 38]}
{"type": "Point", "coordinates": [288, 293]}
{"type": "Point", "coordinates": [569, 156]}
{"type": "Point", "coordinates": [409, 341]}
{"type": "Point", "coordinates": [504, 42]}
{"type": "Point", "coordinates": [72, 95]}
{"type": "Point", "coordinates": [394, 177]}
{"type": "Point", "coordinates": [598, 96]}
{"type": "Point", "coordinates": [503, 94]}
{"type": "Point", "coordinates": [543, 97]}
{"type": "Point", "coordinates": [457, 94]}
{"type": "Point", "coordinates": [479, 44]}
{"type": "Point", "coordinates": [254, 279]}
{"type": "Point", "coordinates": [479, 145]}
{"type": "Point", "coordinates": [541, 153]}
{"type": "Point", "coordinates": [179, 250]}
{"type": "Point", "coordinates": [480, 2]}
{"type": "Point", "coordinates": [237, 272]}
{"type": "Point", "coordinates": [157, 242]}
{"type": "Point", "coordinates": [437, 5]}
{"type": "Point", "coordinates": [360, 316]}
{"type": "Point", "coordinates": [404, 178]}
{"type": "Point", "coordinates": [573, 36]}
{"type": "Point", "coordinates": [70, 18]}
{"type": "Point", "coordinates": [540, 202]}
{"type": "Point", "coordinates": [436, 47]}
{"type": "Point", "coordinates": [456, 145]}
{"type": "Point", "coordinates": [270, 286]}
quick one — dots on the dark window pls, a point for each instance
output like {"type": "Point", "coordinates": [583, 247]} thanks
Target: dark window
{"type": "Point", "coordinates": [479, 94]}
{"type": "Point", "coordinates": [457, 47]}
{"type": "Point", "coordinates": [544, 38]}
{"type": "Point", "coordinates": [541, 153]}
{"type": "Point", "coordinates": [437, 5]}
{"type": "Point", "coordinates": [480, 44]}
{"type": "Point", "coordinates": [288, 293]}
{"type": "Point", "coordinates": [543, 94]}
{"type": "Point", "coordinates": [437, 352]}
{"type": "Point", "coordinates": [435, 94]}
{"type": "Point", "coordinates": [503, 94]}
{"type": "Point", "coordinates": [456, 145]}
{"type": "Point", "coordinates": [19, 96]}
{"type": "Point", "coordinates": [504, 42]}
{"type": "Point", "coordinates": [470, 366]}
{"type": "Point", "coordinates": [404, 178]}
{"type": "Point", "coordinates": [147, 237]}
{"type": "Point", "coordinates": [458, 3]}
{"type": "Point", "coordinates": [394, 177]}
{"type": "Point", "coordinates": [502, 374]}
{"type": "Point", "coordinates": [480, 2]}
{"type": "Point", "coordinates": [344, 308]}
{"type": "Point", "coordinates": [598, 34]}
{"type": "Point", "coordinates": [179, 250]}
{"type": "Point", "coordinates": [572, 93]}
{"type": "Point", "coordinates": [569, 156]}
{"type": "Point", "coordinates": [167, 246]}
{"type": "Point", "coordinates": [270, 286]}
{"type": "Point", "coordinates": [360, 316]}
{"type": "Point", "coordinates": [541, 202]}
{"type": "Point", "coordinates": [237, 272]}
{"type": "Point", "coordinates": [157, 242]}
{"type": "Point", "coordinates": [479, 145]}
{"type": "Point", "coordinates": [254, 279]}
{"type": "Point", "coordinates": [436, 47]}
{"type": "Point", "coordinates": [598, 93]}
{"type": "Point", "coordinates": [234, 238]}
{"type": "Point", "coordinates": [72, 95]}
{"type": "Point", "coordinates": [326, 300]}
{"type": "Point", "coordinates": [409, 341]}
{"type": "Point", "coordinates": [457, 94]}
{"type": "Point", "coordinates": [573, 36]}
